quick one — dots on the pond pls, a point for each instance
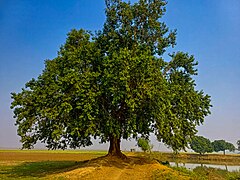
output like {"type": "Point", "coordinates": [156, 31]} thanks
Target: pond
{"type": "Point", "coordinates": [191, 166]}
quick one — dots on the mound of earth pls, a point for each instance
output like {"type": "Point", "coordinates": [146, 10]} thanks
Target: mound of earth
{"type": "Point", "coordinates": [112, 168]}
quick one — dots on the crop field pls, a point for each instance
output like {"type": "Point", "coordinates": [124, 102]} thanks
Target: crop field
{"type": "Point", "coordinates": [35, 164]}
{"type": "Point", "coordinates": [43, 164]}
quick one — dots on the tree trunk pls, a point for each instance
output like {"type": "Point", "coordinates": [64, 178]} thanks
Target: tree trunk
{"type": "Point", "coordinates": [114, 149]}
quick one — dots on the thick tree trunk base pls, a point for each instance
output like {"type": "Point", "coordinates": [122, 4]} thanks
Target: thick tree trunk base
{"type": "Point", "coordinates": [114, 149]}
{"type": "Point", "coordinates": [119, 155]}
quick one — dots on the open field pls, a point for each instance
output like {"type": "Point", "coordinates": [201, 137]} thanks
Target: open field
{"type": "Point", "coordinates": [25, 164]}
{"type": "Point", "coordinates": [37, 164]}
{"type": "Point", "coordinates": [45, 155]}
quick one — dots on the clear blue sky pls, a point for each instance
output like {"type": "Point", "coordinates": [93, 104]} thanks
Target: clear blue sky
{"type": "Point", "coordinates": [32, 31]}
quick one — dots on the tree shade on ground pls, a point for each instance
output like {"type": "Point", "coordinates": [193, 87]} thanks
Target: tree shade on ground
{"type": "Point", "coordinates": [114, 85]}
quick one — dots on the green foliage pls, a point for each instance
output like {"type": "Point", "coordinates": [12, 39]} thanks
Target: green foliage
{"type": "Point", "coordinates": [201, 145]}
{"type": "Point", "coordinates": [230, 147]}
{"type": "Point", "coordinates": [144, 144]}
{"type": "Point", "coordinates": [114, 84]}
{"type": "Point", "coordinates": [238, 144]}
{"type": "Point", "coordinates": [222, 145]}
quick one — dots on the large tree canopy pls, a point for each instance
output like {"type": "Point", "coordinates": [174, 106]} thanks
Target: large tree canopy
{"type": "Point", "coordinates": [113, 85]}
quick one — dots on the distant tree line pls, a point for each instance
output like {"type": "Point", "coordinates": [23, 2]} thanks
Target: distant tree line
{"type": "Point", "coordinates": [202, 145]}
{"type": "Point", "coordinates": [238, 143]}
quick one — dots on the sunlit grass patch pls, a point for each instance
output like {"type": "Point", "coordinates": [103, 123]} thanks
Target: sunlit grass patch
{"type": "Point", "coordinates": [233, 175]}
{"type": "Point", "coordinates": [189, 173]}
{"type": "Point", "coordinates": [166, 174]}
{"type": "Point", "coordinates": [216, 173]}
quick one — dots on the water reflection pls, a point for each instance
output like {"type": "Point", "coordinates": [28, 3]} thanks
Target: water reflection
{"type": "Point", "coordinates": [192, 166]}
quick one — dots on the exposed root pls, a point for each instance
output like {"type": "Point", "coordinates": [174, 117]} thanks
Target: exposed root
{"type": "Point", "coordinates": [117, 155]}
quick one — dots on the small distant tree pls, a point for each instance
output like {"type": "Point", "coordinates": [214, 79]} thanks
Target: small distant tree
{"type": "Point", "coordinates": [238, 143]}
{"type": "Point", "coordinates": [231, 147]}
{"type": "Point", "coordinates": [144, 144]}
{"type": "Point", "coordinates": [222, 145]}
{"type": "Point", "coordinates": [201, 145]}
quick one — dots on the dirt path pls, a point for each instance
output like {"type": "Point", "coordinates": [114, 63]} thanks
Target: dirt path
{"type": "Point", "coordinates": [119, 174]}
{"type": "Point", "coordinates": [114, 169]}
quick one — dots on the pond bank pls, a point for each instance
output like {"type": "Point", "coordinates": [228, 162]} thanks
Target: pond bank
{"type": "Point", "coordinates": [215, 159]}
{"type": "Point", "coordinates": [191, 166]}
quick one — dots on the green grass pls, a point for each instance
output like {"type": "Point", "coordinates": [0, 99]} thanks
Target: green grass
{"type": "Point", "coordinates": [210, 173]}
{"type": "Point", "coordinates": [233, 175]}
{"type": "Point", "coordinates": [189, 173]}
{"type": "Point", "coordinates": [35, 170]}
